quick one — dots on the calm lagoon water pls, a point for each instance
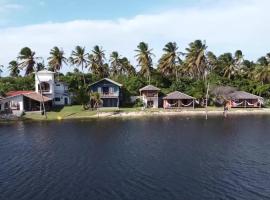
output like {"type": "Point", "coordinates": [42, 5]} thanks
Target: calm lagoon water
{"type": "Point", "coordinates": [156, 158]}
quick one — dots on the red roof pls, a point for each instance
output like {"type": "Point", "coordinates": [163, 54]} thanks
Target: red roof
{"type": "Point", "coordinates": [16, 93]}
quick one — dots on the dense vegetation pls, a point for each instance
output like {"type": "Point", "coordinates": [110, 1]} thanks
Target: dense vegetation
{"type": "Point", "coordinates": [189, 71]}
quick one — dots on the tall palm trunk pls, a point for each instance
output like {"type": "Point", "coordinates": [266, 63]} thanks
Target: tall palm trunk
{"type": "Point", "coordinates": [84, 82]}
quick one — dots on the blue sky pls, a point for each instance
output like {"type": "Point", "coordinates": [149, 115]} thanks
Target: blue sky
{"type": "Point", "coordinates": [26, 12]}
{"type": "Point", "coordinates": [225, 25]}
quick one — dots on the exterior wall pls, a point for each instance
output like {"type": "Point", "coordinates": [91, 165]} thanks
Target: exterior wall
{"type": "Point", "coordinates": [111, 97]}
{"type": "Point", "coordinates": [48, 78]}
{"type": "Point", "coordinates": [60, 100]}
{"type": "Point", "coordinates": [148, 96]}
{"type": "Point", "coordinates": [13, 102]}
{"type": "Point", "coordinates": [61, 95]}
{"type": "Point", "coordinates": [114, 90]}
{"type": "Point", "coordinates": [58, 91]}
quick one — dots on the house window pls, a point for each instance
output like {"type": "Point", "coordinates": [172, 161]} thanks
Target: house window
{"type": "Point", "coordinates": [57, 99]}
{"type": "Point", "coordinates": [44, 86]}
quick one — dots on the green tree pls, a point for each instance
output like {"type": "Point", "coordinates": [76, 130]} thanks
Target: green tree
{"type": "Point", "coordinates": [96, 100]}
{"type": "Point", "coordinates": [57, 59]}
{"type": "Point", "coordinates": [195, 62]}
{"type": "Point", "coordinates": [116, 64]}
{"type": "Point", "coordinates": [28, 60]}
{"type": "Point", "coordinates": [170, 61]}
{"type": "Point", "coordinates": [13, 68]}
{"type": "Point", "coordinates": [79, 59]}
{"type": "Point", "coordinates": [144, 58]}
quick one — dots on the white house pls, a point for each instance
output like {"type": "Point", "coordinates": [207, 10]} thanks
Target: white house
{"type": "Point", "coordinates": [55, 90]}
{"type": "Point", "coordinates": [20, 101]}
{"type": "Point", "coordinates": [149, 96]}
{"type": "Point", "coordinates": [53, 93]}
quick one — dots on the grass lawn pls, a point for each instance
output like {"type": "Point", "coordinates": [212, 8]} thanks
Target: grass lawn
{"type": "Point", "coordinates": [64, 113]}
{"type": "Point", "coordinates": [76, 111]}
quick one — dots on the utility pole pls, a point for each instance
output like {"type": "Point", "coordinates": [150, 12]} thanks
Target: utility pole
{"type": "Point", "coordinates": [206, 102]}
{"type": "Point", "coordinates": [39, 87]}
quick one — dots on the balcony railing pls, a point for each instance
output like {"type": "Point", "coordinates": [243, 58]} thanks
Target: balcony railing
{"type": "Point", "coordinates": [108, 94]}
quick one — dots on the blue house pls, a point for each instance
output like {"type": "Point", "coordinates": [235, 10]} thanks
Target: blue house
{"type": "Point", "coordinates": [109, 90]}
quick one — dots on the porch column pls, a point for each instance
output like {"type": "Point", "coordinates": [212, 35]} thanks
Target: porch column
{"type": "Point", "coordinates": [193, 104]}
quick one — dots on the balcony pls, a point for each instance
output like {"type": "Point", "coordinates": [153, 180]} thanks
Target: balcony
{"type": "Point", "coordinates": [109, 94]}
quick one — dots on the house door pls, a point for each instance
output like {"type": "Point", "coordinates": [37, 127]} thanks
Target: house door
{"type": "Point", "coordinates": [150, 104]}
{"type": "Point", "coordinates": [66, 101]}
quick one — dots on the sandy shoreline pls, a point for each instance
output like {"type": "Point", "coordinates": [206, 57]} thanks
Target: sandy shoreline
{"type": "Point", "coordinates": [264, 111]}
{"type": "Point", "coordinates": [148, 113]}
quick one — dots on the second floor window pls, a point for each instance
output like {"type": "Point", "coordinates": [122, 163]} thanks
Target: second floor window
{"type": "Point", "coordinates": [44, 86]}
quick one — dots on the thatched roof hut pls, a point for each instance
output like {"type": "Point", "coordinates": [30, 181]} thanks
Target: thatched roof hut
{"type": "Point", "coordinates": [245, 99]}
{"type": "Point", "coordinates": [178, 99]}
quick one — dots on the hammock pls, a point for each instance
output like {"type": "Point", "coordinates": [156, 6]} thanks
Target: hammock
{"type": "Point", "coordinates": [251, 104]}
{"type": "Point", "coordinates": [237, 104]}
{"type": "Point", "coordinates": [187, 104]}
{"type": "Point", "coordinates": [171, 105]}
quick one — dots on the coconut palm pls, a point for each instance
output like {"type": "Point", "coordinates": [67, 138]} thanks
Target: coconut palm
{"type": "Point", "coordinates": [127, 67]}
{"type": "Point", "coordinates": [95, 99]}
{"type": "Point", "coordinates": [262, 74]}
{"type": "Point", "coordinates": [79, 59]}
{"type": "Point", "coordinates": [196, 59]}
{"type": "Point", "coordinates": [98, 59]}
{"type": "Point", "coordinates": [57, 59]}
{"type": "Point", "coordinates": [232, 65]}
{"type": "Point", "coordinates": [28, 60]}
{"type": "Point", "coordinates": [144, 58]}
{"type": "Point", "coordinates": [169, 62]}
{"type": "Point", "coordinates": [115, 61]}
{"type": "Point", "coordinates": [13, 68]}
{"type": "Point", "coordinates": [212, 61]}
{"type": "Point", "coordinates": [92, 64]}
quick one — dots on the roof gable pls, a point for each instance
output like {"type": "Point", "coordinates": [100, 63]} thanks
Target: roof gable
{"type": "Point", "coordinates": [149, 88]}
{"type": "Point", "coordinates": [178, 95]}
{"type": "Point", "coordinates": [243, 95]}
{"type": "Point", "coordinates": [106, 79]}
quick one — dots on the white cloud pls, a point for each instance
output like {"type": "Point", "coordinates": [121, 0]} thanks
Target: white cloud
{"type": "Point", "coordinates": [225, 27]}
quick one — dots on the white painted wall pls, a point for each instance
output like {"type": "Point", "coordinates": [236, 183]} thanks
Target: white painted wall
{"type": "Point", "coordinates": [48, 77]}
{"type": "Point", "coordinates": [58, 90]}
{"type": "Point", "coordinates": [12, 101]}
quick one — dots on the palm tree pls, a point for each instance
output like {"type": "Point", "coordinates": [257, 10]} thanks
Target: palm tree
{"type": "Point", "coordinates": [28, 60]}
{"type": "Point", "coordinates": [95, 99]}
{"type": "Point", "coordinates": [79, 58]}
{"type": "Point", "coordinates": [126, 67]}
{"type": "Point", "coordinates": [98, 59]}
{"type": "Point", "coordinates": [144, 57]}
{"type": "Point", "coordinates": [116, 63]}
{"type": "Point", "coordinates": [170, 60]}
{"type": "Point", "coordinates": [232, 65]}
{"type": "Point", "coordinates": [57, 59]}
{"type": "Point", "coordinates": [262, 74]}
{"type": "Point", "coordinates": [212, 61]}
{"type": "Point", "coordinates": [196, 59]}
{"type": "Point", "coordinates": [14, 68]}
